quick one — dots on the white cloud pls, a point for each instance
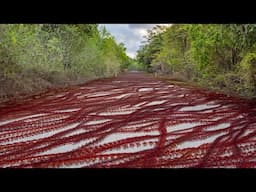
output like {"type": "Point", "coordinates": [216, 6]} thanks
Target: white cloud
{"type": "Point", "coordinates": [140, 31]}
{"type": "Point", "coordinates": [130, 34]}
{"type": "Point", "coordinates": [131, 54]}
{"type": "Point", "coordinates": [141, 26]}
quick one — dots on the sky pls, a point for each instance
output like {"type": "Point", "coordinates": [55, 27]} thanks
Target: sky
{"type": "Point", "coordinates": [129, 34]}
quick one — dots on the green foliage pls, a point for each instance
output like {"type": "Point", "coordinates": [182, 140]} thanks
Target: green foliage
{"type": "Point", "coordinates": [135, 66]}
{"type": "Point", "coordinates": [82, 49]}
{"type": "Point", "coordinates": [247, 72]}
{"type": "Point", "coordinates": [149, 52]}
{"type": "Point", "coordinates": [218, 56]}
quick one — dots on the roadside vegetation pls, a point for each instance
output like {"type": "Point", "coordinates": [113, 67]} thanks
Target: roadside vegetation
{"type": "Point", "coordinates": [215, 56]}
{"type": "Point", "coordinates": [34, 57]}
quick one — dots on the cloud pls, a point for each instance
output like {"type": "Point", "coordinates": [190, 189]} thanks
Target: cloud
{"type": "Point", "coordinates": [144, 26]}
{"type": "Point", "coordinates": [131, 35]}
{"type": "Point", "coordinates": [141, 26]}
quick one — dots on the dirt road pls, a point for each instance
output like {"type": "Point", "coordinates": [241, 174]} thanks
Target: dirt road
{"type": "Point", "coordinates": [133, 120]}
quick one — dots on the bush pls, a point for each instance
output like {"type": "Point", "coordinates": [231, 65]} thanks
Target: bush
{"type": "Point", "coordinates": [56, 53]}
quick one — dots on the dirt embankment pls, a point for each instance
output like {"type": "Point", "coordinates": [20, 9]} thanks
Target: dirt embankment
{"type": "Point", "coordinates": [33, 82]}
{"type": "Point", "coordinates": [183, 80]}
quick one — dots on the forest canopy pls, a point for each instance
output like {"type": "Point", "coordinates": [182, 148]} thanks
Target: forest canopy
{"type": "Point", "coordinates": [217, 56]}
{"type": "Point", "coordinates": [34, 55]}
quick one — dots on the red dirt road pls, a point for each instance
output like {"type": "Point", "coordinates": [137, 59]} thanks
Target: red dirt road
{"type": "Point", "coordinates": [130, 121]}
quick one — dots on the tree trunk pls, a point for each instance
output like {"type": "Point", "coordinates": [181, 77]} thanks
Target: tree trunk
{"type": "Point", "coordinates": [233, 56]}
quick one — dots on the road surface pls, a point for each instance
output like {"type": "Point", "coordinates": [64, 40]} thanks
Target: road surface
{"type": "Point", "coordinates": [133, 120]}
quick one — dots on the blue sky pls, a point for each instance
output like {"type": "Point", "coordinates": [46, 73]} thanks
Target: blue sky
{"type": "Point", "coordinates": [129, 34]}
